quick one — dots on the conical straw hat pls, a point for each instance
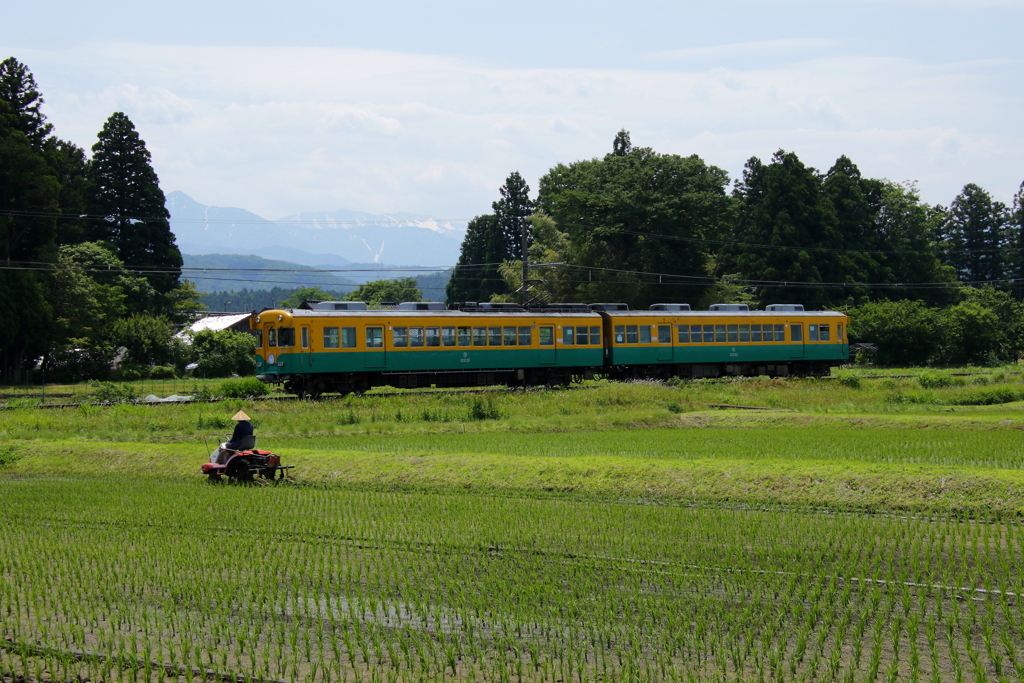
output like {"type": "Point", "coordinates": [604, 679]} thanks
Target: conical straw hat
{"type": "Point", "coordinates": [240, 416]}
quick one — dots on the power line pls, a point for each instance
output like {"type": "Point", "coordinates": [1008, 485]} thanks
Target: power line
{"type": "Point", "coordinates": [258, 221]}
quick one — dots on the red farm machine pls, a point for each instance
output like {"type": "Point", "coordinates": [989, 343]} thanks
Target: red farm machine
{"type": "Point", "coordinates": [245, 466]}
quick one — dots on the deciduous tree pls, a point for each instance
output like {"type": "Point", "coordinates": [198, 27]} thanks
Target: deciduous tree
{"type": "Point", "coordinates": [640, 211]}
{"type": "Point", "coordinates": [377, 291]}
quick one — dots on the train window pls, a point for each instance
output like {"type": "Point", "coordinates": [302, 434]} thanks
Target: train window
{"type": "Point", "coordinates": [812, 333]}
{"type": "Point", "coordinates": [479, 336]}
{"type": "Point", "coordinates": [400, 337]}
{"type": "Point", "coordinates": [416, 336]}
{"type": "Point", "coordinates": [567, 335]}
{"type": "Point", "coordinates": [272, 337]}
{"type": "Point", "coordinates": [595, 335]}
{"type": "Point", "coordinates": [683, 333]}
{"type": "Point", "coordinates": [620, 334]}
{"type": "Point", "coordinates": [448, 336]}
{"type": "Point", "coordinates": [839, 332]}
{"type": "Point", "coordinates": [547, 336]}
{"type": "Point", "coordinates": [525, 336]}
{"type": "Point", "coordinates": [796, 332]}
{"type": "Point", "coordinates": [330, 337]}
{"type": "Point", "coordinates": [374, 337]}
{"type": "Point", "coordinates": [348, 337]}
{"type": "Point", "coordinates": [305, 337]}
{"type": "Point", "coordinates": [433, 336]}
{"type": "Point", "coordinates": [631, 334]}
{"type": "Point", "coordinates": [583, 335]}
{"type": "Point", "coordinates": [719, 333]}
{"type": "Point", "coordinates": [259, 337]}
{"type": "Point", "coordinates": [286, 336]}
{"type": "Point", "coordinates": [744, 333]}
{"type": "Point", "coordinates": [464, 336]}
{"type": "Point", "coordinates": [510, 336]}
{"type": "Point", "coordinates": [709, 333]}
{"type": "Point", "coordinates": [645, 334]}
{"type": "Point", "coordinates": [824, 334]}
{"type": "Point", "coordinates": [664, 334]}
{"type": "Point", "coordinates": [733, 332]}
{"type": "Point", "coordinates": [494, 336]}
{"type": "Point", "coordinates": [755, 333]}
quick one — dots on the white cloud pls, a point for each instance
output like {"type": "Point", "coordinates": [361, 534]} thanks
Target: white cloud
{"type": "Point", "coordinates": [733, 50]}
{"type": "Point", "coordinates": [279, 130]}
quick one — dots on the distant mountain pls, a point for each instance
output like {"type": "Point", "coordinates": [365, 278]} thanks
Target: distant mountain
{"type": "Point", "coordinates": [336, 238]}
{"type": "Point", "coordinates": [234, 272]}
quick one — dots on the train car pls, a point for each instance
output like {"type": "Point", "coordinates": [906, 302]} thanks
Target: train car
{"type": "Point", "coordinates": [344, 347]}
{"type": "Point", "coordinates": [717, 343]}
{"type": "Point", "coordinates": [322, 350]}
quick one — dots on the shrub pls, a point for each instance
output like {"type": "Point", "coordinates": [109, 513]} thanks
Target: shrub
{"type": "Point", "coordinates": [128, 373]}
{"type": "Point", "coordinates": [162, 372]}
{"type": "Point", "coordinates": [224, 353]}
{"type": "Point", "coordinates": [243, 387]}
{"type": "Point", "coordinates": [479, 410]}
{"type": "Point", "coordinates": [934, 380]}
{"type": "Point", "coordinates": [9, 455]}
{"type": "Point", "coordinates": [201, 393]}
{"type": "Point", "coordinates": [848, 379]}
{"type": "Point", "coordinates": [674, 407]}
{"type": "Point", "coordinates": [108, 392]}
{"type": "Point", "coordinates": [904, 331]}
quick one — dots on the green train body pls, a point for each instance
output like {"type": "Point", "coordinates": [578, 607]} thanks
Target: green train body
{"type": "Point", "coordinates": [318, 351]}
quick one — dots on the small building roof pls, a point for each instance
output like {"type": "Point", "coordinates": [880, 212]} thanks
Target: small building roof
{"type": "Point", "coordinates": [218, 322]}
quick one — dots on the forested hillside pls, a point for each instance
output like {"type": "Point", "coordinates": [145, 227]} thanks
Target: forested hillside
{"type": "Point", "coordinates": [640, 227]}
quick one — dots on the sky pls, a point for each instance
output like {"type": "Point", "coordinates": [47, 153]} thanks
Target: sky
{"type": "Point", "coordinates": [427, 107]}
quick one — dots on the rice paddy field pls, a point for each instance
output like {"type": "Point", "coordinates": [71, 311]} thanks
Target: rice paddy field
{"type": "Point", "coordinates": [863, 529]}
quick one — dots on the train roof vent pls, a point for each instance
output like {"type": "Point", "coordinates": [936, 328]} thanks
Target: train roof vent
{"type": "Point", "coordinates": [340, 306]}
{"type": "Point", "coordinates": [728, 307]}
{"type": "Point", "coordinates": [558, 307]}
{"type": "Point", "coordinates": [670, 307]}
{"type": "Point", "coordinates": [500, 306]}
{"type": "Point", "coordinates": [609, 307]}
{"type": "Point", "coordinates": [784, 307]}
{"type": "Point", "coordinates": [420, 306]}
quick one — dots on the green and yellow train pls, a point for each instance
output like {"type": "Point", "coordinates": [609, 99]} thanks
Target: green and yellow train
{"type": "Point", "coordinates": [345, 347]}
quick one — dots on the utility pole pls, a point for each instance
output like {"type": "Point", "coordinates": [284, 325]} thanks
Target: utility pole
{"type": "Point", "coordinates": [526, 263]}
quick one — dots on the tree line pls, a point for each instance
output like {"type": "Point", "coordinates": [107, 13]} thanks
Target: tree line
{"type": "Point", "coordinates": [88, 263]}
{"type": "Point", "coordinates": [640, 227]}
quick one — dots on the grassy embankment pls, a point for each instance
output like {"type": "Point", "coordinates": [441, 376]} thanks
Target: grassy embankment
{"type": "Point", "coordinates": [868, 444]}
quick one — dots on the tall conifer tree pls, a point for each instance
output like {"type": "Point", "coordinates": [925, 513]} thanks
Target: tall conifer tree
{"type": "Point", "coordinates": [975, 235]}
{"type": "Point", "coordinates": [512, 210]}
{"type": "Point", "coordinates": [132, 205]}
{"type": "Point", "coordinates": [21, 103]}
{"type": "Point", "coordinates": [783, 222]}
{"type": "Point", "coordinates": [28, 200]}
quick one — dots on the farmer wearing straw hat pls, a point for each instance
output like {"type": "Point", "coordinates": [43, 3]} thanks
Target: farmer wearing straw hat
{"type": "Point", "coordinates": [243, 433]}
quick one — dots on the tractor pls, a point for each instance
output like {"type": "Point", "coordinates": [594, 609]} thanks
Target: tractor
{"type": "Point", "coordinates": [245, 465]}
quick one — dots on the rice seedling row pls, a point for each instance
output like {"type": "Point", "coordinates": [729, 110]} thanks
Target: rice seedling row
{"type": "Point", "coordinates": [130, 579]}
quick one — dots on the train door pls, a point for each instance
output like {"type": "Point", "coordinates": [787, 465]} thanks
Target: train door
{"type": "Point", "coordinates": [796, 339]}
{"type": "Point", "coordinates": [305, 334]}
{"type": "Point", "coordinates": [546, 340]}
{"type": "Point", "coordinates": [665, 346]}
{"type": "Point", "coordinates": [376, 354]}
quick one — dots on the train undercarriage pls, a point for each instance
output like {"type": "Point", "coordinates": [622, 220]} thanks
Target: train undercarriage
{"type": "Point", "coordinates": [313, 385]}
